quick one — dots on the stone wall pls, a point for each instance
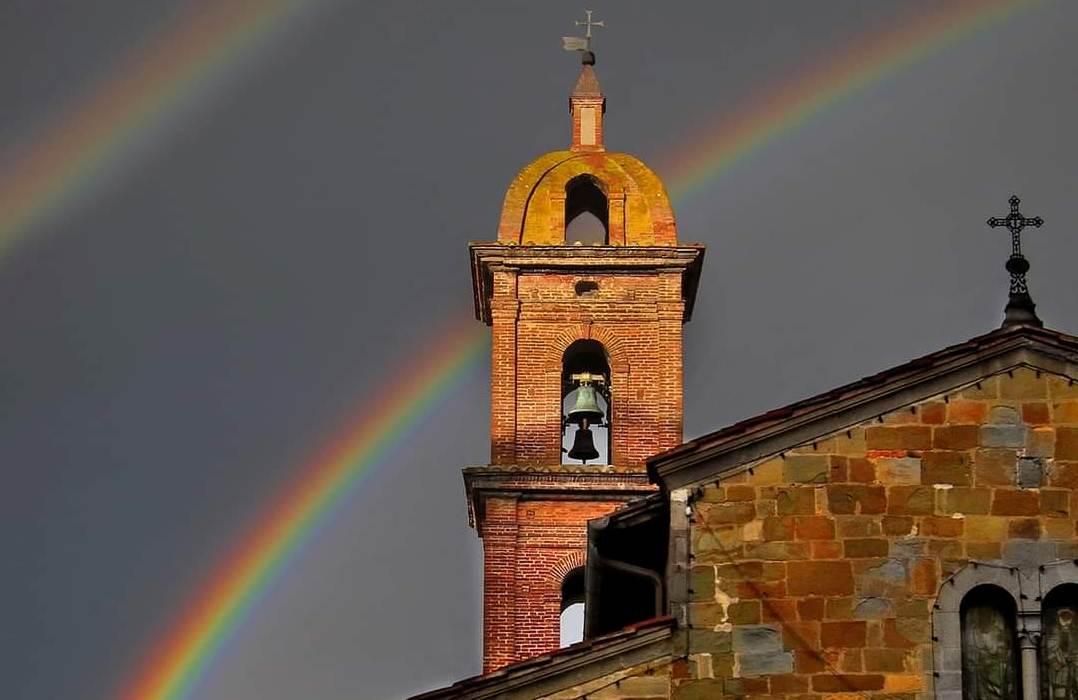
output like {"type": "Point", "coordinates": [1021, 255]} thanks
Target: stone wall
{"type": "Point", "coordinates": [814, 573]}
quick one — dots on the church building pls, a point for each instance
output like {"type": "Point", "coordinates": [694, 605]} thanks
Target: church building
{"type": "Point", "coordinates": [908, 536]}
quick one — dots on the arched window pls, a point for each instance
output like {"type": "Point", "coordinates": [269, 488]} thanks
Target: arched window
{"type": "Point", "coordinates": [989, 645]}
{"type": "Point", "coordinates": [585, 404]}
{"type": "Point", "coordinates": [572, 607]}
{"type": "Point", "coordinates": [1059, 643]}
{"type": "Point", "coordinates": [586, 212]}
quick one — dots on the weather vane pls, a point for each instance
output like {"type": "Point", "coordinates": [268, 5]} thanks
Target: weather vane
{"type": "Point", "coordinates": [576, 43]}
{"type": "Point", "coordinates": [1020, 306]}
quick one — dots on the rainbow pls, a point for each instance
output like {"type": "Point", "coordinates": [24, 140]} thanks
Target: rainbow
{"type": "Point", "coordinates": [174, 668]}
{"type": "Point", "coordinates": [792, 103]}
{"type": "Point", "coordinates": [95, 137]}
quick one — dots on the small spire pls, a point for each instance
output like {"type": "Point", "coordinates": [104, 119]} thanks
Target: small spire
{"type": "Point", "coordinates": [1020, 308]}
{"type": "Point", "coordinates": [586, 103]}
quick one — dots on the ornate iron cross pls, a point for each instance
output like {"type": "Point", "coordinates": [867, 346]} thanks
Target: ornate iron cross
{"type": "Point", "coordinates": [1017, 264]}
{"type": "Point", "coordinates": [588, 24]}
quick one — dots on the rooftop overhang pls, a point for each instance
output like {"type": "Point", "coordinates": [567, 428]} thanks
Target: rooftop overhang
{"type": "Point", "coordinates": [732, 449]}
{"type": "Point", "coordinates": [485, 257]}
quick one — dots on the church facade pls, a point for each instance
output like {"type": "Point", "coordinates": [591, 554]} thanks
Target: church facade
{"type": "Point", "coordinates": [909, 536]}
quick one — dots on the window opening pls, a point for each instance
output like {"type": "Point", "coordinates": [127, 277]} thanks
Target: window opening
{"type": "Point", "coordinates": [585, 404]}
{"type": "Point", "coordinates": [572, 607]}
{"type": "Point", "coordinates": [989, 645]}
{"type": "Point", "coordinates": [586, 212]}
{"type": "Point", "coordinates": [1059, 643]}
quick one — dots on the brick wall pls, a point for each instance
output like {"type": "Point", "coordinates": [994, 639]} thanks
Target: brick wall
{"type": "Point", "coordinates": [815, 573]}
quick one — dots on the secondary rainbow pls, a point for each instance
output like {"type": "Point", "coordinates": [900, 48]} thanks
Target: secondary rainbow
{"type": "Point", "coordinates": [384, 418]}
{"type": "Point", "coordinates": [183, 656]}
{"type": "Point", "coordinates": [167, 73]}
{"type": "Point", "coordinates": [788, 105]}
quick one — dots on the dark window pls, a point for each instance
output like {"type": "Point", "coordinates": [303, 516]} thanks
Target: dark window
{"type": "Point", "coordinates": [586, 212]}
{"type": "Point", "coordinates": [1059, 643]}
{"type": "Point", "coordinates": [989, 647]}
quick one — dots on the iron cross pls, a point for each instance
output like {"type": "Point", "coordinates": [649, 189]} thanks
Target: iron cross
{"type": "Point", "coordinates": [588, 24]}
{"type": "Point", "coordinates": [1017, 265]}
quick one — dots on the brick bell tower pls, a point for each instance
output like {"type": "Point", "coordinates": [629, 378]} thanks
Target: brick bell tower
{"type": "Point", "coordinates": [586, 370]}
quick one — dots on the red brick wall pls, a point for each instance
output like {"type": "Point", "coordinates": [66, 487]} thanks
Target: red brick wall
{"type": "Point", "coordinates": [528, 548]}
{"type": "Point", "coordinates": [536, 316]}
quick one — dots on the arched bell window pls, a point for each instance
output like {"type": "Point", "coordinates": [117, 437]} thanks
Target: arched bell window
{"type": "Point", "coordinates": [572, 607]}
{"type": "Point", "coordinates": [989, 645]}
{"type": "Point", "coordinates": [1059, 643]}
{"type": "Point", "coordinates": [587, 212]}
{"type": "Point", "coordinates": [585, 404]}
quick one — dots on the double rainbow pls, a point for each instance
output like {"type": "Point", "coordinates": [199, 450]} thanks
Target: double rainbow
{"type": "Point", "coordinates": [168, 74]}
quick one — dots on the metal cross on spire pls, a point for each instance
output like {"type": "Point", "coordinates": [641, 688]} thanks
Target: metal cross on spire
{"type": "Point", "coordinates": [576, 43]}
{"type": "Point", "coordinates": [1020, 306]}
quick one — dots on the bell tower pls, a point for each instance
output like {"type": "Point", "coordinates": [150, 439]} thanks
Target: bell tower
{"type": "Point", "coordinates": [585, 290]}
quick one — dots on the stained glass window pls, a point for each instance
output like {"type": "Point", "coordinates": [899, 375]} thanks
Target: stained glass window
{"type": "Point", "coordinates": [1059, 643]}
{"type": "Point", "coordinates": [989, 648]}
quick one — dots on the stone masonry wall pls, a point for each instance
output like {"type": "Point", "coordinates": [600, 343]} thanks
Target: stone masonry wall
{"type": "Point", "coordinates": [814, 573]}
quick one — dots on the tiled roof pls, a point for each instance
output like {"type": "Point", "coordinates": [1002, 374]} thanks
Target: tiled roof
{"type": "Point", "coordinates": [567, 658]}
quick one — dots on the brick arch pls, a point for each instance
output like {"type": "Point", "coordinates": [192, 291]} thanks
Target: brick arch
{"type": "Point", "coordinates": [615, 351]}
{"type": "Point", "coordinates": [562, 568]}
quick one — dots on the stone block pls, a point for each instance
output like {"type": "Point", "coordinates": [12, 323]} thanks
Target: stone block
{"type": "Point", "coordinates": [796, 500]}
{"type": "Point", "coordinates": [777, 528]}
{"type": "Point", "coordinates": [839, 469]}
{"type": "Point", "coordinates": [765, 664]}
{"type": "Point", "coordinates": [810, 608]}
{"type": "Point", "coordinates": [899, 437]}
{"type": "Point", "coordinates": [700, 689]}
{"type": "Point", "coordinates": [897, 524]}
{"type": "Point", "coordinates": [937, 526]}
{"type": "Point", "coordinates": [776, 551]}
{"type": "Point", "coordinates": [1029, 553]}
{"type": "Point", "coordinates": [861, 470]}
{"type": "Point", "coordinates": [843, 634]}
{"type": "Point", "coordinates": [1024, 528]}
{"type": "Point", "coordinates": [1063, 475]}
{"type": "Point", "coordinates": [899, 471]}
{"type": "Point", "coordinates": [955, 437]}
{"type": "Point", "coordinates": [1030, 472]}
{"type": "Point", "coordinates": [873, 608]}
{"type": "Point", "coordinates": [945, 467]}
{"type": "Point", "coordinates": [744, 612]}
{"type": "Point", "coordinates": [885, 660]}
{"type": "Point", "coordinates": [961, 411]}
{"type": "Point", "coordinates": [984, 551]}
{"type": "Point", "coordinates": [806, 469]}
{"type": "Point", "coordinates": [1010, 502]}
{"type": "Point", "coordinates": [911, 500]}
{"type": "Point", "coordinates": [724, 513]}
{"type": "Point", "coordinates": [1003, 435]}
{"type": "Point", "coordinates": [1065, 412]}
{"type": "Point", "coordinates": [1055, 504]}
{"type": "Point", "coordinates": [757, 639]}
{"type": "Point", "coordinates": [703, 583]}
{"type": "Point", "coordinates": [994, 467]}
{"type": "Point", "coordinates": [847, 682]}
{"type": "Point", "coordinates": [1062, 387]}
{"type": "Point", "coordinates": [967, 501]}
{"type": "Point", "coordinates": [1023, 383]}
{"type": "Point", "coordinates": [1041, 442]}
{"type": "Point", "coordinates": [1004, 415]}
{"type": "Point", "coordinates": [1035, 413]}
{"type": "Point", "coordinates": [933, 412]}
{"type": "Point", "coordinates": [924, 579]}
{"type": "Point", "coordinates": [848, 499]}
{"type": "Point", "coordinates": [826, 549]}
{"type": "Point", "coordinates": [865, 548]}
{"type": "Point", "coordinates": [789, 684]}
{"type": "Point", "coordinates": [820, 578]}
{"type": "Point", "coordinates": [985, 528]}
{"type": "Point", "coordinates": [814, 527]}
{"type": "Point", "coordinates": [1066, 443]}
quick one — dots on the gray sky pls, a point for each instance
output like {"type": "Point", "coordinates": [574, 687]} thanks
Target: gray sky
{"type": "Point", "coordinates": [176, 345]}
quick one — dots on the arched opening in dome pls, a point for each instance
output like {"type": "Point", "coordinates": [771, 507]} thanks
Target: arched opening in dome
{"type": "Point", "coordinates": [586, 212]}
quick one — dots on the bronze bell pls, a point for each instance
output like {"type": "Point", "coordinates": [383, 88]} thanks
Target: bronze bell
{"type": "Point", "coordinates": [586, 407]}
{"type": "Point", "coordinates": [583, 445]}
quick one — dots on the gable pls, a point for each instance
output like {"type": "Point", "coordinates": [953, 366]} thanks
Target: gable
{"type": "Point", "coordinates": [1010, 365]}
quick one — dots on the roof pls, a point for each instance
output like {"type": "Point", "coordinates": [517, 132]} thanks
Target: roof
{"type": "Point", "coordinates": [572, 665]}
{"type": "Point", "coordinates": [587, 83]}
{"type": "Point", "coordinates": [771, 433]}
